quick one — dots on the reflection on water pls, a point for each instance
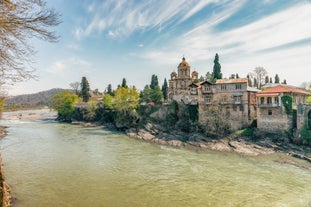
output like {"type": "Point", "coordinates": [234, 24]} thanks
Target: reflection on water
{"type": "Point", "coordinates": [51, 164]}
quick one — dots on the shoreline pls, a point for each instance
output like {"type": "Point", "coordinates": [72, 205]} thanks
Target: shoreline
{"type": "Point", "coordinates": [6, 198]}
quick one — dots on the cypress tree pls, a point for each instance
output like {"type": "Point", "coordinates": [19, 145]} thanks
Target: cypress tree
{"type": "Point", "coordinates": [109, 90]}
{"type": "Point", "coordinates": [124, 85]}
{"type": "Point", "coordinates": [85, 90]}
{"type": "Point", "coordinates": [164, 89]}
{"type": "Point", "coordinates": [217, 68]}
{"type": "Point", "coordinates": [276, 79]}
{"type": "Point", "coordinates": [154, 81]}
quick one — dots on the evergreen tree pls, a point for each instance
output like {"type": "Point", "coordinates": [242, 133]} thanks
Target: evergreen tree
{"type": "Point", "coordinates": [85, 90]}
{"type": "Point", "coordinates": [208, 76]}
{"type": "Point", "coordinates": [217, 68]}
{"type": "Point", "coordinates": [146, 94]}
{"type": "Point", "coordinates": [124, 85]}
{"type": "Point", "coordinates": [267, 79]}
{"type": "Point", "coordinates": [270, 80]}
{"type": "Point", "coordinates": [276, 79]}
{"type": "Point", "coordinates": [237, 76]}
{"type": "Point", "coordinates": [249, 81]}
{"type": "Point", "coordinates": [255, 83]}
{"type": "Point", "coordinates": [164, 89]}
{"type": "Point", "coordinates": [156, 95]}
{"type": "Point", "coordinates": [284, 82]}
{"type": "Point", "coordinates": [109, 90]}
{"type": "Point", "coordinates": [154, 81]}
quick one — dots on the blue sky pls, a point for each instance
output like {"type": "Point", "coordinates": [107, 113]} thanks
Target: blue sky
{"type": "Point", "coordinates": [106, 40]}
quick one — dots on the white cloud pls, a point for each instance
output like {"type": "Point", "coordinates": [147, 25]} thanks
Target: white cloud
{"type": "Point", "coordinates": [61, 67]}
{"type": "Point", "coordinates": [124, 17]}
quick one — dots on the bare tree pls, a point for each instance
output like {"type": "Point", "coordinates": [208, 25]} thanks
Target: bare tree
{"type": "Point", "coordinates": [75, 87]}
{"type": "Point", "coordinates": [306, 85]}
{"type": "Point", "coordinates": [20, 21]}
{"type": "Point", "coordinates": [259, 74]}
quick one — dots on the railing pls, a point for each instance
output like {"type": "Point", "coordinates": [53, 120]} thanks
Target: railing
{"type": "Point", "coordinates": [269, 105]}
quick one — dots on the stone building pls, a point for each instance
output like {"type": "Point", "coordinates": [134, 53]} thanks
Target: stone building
{"type": "Point", "coordinates": [235, 98]}
{"type": "Point", "coordinates": [271, 113]}
{"type": "Point", "coordinates": [180, 81]}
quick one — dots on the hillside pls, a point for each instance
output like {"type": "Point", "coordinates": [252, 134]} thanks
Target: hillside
{"type": "Point", "coordinates": [43, 98]}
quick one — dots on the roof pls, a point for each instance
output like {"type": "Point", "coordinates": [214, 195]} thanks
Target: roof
{"type": "Point", "coordinates": [267, 94]}
{"type": "Point", "coordinates": [284, 89]}
{"type": "Point", "coordinates": [233, 80]}
{"type": "Point", "coordinates": [251, 89]}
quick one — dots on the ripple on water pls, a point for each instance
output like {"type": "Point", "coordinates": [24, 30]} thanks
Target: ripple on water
{"type": "Point", "coordinates": [49, 164]}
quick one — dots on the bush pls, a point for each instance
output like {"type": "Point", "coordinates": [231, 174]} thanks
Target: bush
{"type": "Point", "coordinates": [305, 134]}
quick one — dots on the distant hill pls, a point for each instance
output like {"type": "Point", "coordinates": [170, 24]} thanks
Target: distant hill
{"type": "Point", "coordinates": [43, 98]}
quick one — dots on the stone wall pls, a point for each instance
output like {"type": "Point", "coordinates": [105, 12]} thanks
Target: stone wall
{"type": "Point", "coordinates": [302, 115]}
{"type": "Point", "coordinates": [277, 121]}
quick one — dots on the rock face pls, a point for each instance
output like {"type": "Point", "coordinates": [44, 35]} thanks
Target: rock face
{"type": "Point", "coordinates": [154, 134]}
{"type": "Point", "coordinates": [6, 199]}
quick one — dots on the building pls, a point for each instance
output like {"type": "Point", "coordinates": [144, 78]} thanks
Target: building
{"type": "Point", "coordinates": [236, 99]}
{"type": "Point", "coordinates": [180, 81]}
{"type": "Point", "coordinates": [271, 112]}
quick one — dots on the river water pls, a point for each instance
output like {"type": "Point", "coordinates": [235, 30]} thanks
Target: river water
{"type": "Point", "coordinates": [50, 164]}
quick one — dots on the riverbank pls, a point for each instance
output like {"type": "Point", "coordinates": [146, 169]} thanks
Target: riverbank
{"type": "Point", "coordinates": [234, 143]}
{"type": "Point", "coordinates": [5, 191]}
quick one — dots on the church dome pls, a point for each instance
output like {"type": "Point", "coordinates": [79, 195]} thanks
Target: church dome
{"type": "Point", "coordinates": [184, 62]}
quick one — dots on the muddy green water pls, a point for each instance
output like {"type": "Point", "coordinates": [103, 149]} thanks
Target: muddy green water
{"type": "Point", "coordinates": [50, 165]}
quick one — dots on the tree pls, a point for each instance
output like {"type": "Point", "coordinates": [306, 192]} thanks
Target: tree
{"type": "Point", "coordinates": [249, 80]}
{"type": "Point", "coordinates": [208, 76]}
{"type": "Point", "coordinates": [237, 75]}
{"type": "Point", "coordinates": [270, 80]}
{"type": "Point", "coordinates": [156, 95]}
{"type": "Point", "coordinates": [259, 73]}
{"type": "Point", "coordinates": [109, 90]}
{"type": "Point", "coordinates": [75, 87]}
{"type": "Point", "coordinates": [124, 85]}
{"type": "Point", "coordinates": [276, 79]}
{"type": "Point", "coordinates": [85, 90]}
{"type": "Point", "coordinates": [154, 82]}
{"type": "Point", "coordinates": [146, 94]}
{"type": "Point", "coordinates": [217, 68]}
{"type": "Point", "coordinates": [124, 103]}
{"type": "Point", "coordinates": [284, 82]}
{"type": "Point", "coordinates": [20, 21]}
{"type": "Point", "coordinates": [64, 102]}
{"type": "Point", "coordinates": [266, 79]}
{"type": "Point", "coordinates": [164, 89]}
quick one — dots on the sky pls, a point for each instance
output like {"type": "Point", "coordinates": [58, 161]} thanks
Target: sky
{"type": "Point", "coordinates": [108, 40]}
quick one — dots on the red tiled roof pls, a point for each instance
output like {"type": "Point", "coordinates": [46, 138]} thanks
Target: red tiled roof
{"type": "Point", "coordinates": [284, 89]}
{"type": "Point", "coordinates": [233, 80]}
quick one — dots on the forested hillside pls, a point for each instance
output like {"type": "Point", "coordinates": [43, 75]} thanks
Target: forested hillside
{"type": "Point", "coordinates": [40, 99]}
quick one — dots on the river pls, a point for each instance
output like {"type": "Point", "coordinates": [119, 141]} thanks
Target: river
{"type": "Point", "coordinates": [50, 164]}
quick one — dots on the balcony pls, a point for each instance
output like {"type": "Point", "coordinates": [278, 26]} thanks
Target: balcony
{"type": "Point", "coordinates": [194, 92]}
{"type": "Point", "coordinates": [270, 105]}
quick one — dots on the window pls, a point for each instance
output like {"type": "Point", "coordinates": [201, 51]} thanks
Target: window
{"type": "Point", "coordinates": [238, 86]}
{"type": "Point", "coordinates": [269, 112]}
{"type": "Point", "coordinates": [237, 99]}
{"type": "Point", "coordinates": [269, 100]}
{"type": "Point", "coordinates": [207, 99]}
{"type": "Point", "coordinates": [223, 87]}
{"type": "Point", "coordinates": [276, 100]}
{"type": "Point", "coordinates": [194, 91]}
{"type": "Point", "coordinates": [207, 88]}
{"type": "Point", "coordinates": [262, 100]}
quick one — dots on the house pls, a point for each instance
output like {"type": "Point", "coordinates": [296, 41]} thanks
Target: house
{"type": "Point", "coordinates": [234, 96]}
{"type": "Point", "coordinates": [281, 108]}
